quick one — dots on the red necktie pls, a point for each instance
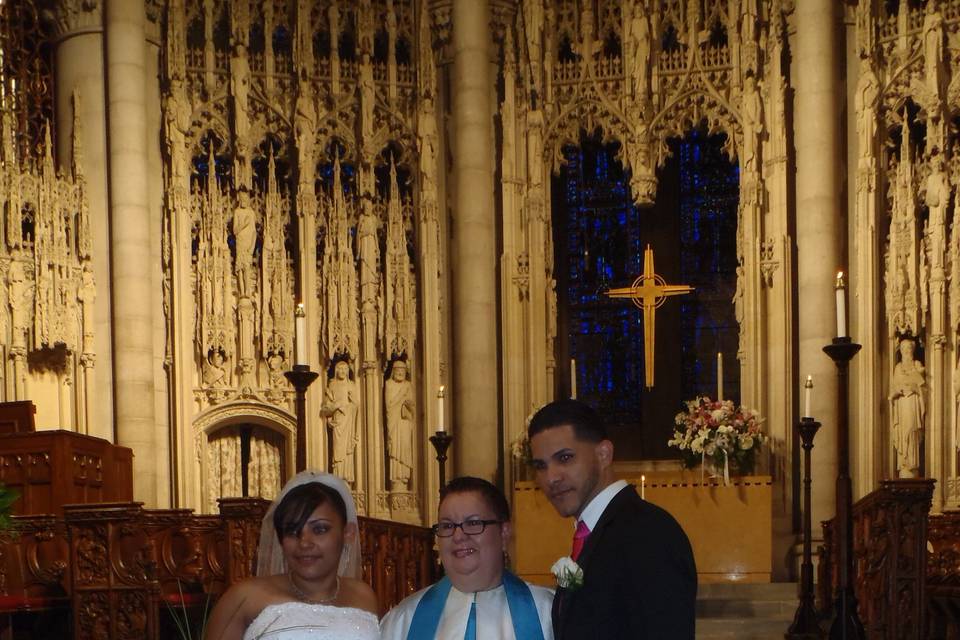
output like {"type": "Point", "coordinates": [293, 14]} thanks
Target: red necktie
{"type": "Point", "coordinates": [579, 538]}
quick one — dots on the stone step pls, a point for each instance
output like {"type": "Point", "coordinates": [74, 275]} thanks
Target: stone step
{"type": "Point", "coordinates": [744, 629]}
{"type": "Point", "coordinates": [745, 611]}
{"type": "Point", "coordinates": [757, 591]}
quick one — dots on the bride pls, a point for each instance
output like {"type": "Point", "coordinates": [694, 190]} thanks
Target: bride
{"type": "Point", "coordinates": [307, 568]}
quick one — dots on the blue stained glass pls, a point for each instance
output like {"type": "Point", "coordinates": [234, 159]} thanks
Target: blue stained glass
{"type": "Point", "coordinates": [601, 236]}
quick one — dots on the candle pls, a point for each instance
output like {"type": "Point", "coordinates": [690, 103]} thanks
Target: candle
{"type": "Point", "coordinates": [301, 335]}
{"type": "Point", "coordinates": [807, 392]}
{"type": "Point", "coordinates": [841, 306]}
{"type": "Point", "coordinates": [643, 487]}
{"type": "Point", "coordinates": [573, 378]}
{"type": "Point", "coordinates": [719, 376]}
{"type": "Point", "coordinates": [440, 425]}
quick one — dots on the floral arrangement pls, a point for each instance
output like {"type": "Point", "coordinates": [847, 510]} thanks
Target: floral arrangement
{"type": "Point", "coordinates": [568, 573]}
{"type": "Point", "coordinates": [718, 434]}
{"type": "Point", "coordinates": [520, 447]}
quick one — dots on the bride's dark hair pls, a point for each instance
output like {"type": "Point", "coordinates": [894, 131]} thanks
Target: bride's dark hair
{"type": "Point", "coordinates": [300, 502]}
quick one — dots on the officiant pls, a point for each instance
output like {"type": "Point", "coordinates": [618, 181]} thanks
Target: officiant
{"type": "Point", "coordinates": [478, 599]}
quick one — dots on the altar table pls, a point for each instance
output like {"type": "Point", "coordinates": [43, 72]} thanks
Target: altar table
{"type": "Point", "coordinates": [730, 527]}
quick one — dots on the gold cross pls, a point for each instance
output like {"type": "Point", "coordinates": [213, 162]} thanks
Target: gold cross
{"type": "Point", "coordinates": [649, 292]}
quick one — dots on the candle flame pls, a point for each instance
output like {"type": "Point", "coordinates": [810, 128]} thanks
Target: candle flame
{"type": "Point", "coordinates": [440, 392]}
{"type": "Point", "coordinates": [840, 282]}
{"type": "Point", "coordinates": [809, 383]}
{"type": "Point", "coordinates": [300, 313]}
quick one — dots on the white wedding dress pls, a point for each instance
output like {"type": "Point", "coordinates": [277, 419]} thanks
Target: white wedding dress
{"type": "Point", "coordinates": [302, 621]}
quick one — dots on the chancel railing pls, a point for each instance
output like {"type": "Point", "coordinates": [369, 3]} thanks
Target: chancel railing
{"type": "Point", "coordinates": [121, 571]}
{"type": "Point", "coordinates": [890, 559]}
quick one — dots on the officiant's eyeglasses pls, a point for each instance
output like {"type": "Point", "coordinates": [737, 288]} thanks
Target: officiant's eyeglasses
{"type": "Point", "coordinates": [469, 527]}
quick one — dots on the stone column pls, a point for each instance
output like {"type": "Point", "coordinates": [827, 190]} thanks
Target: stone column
{"type": "Point", "coordinates": [473, 387]}
{"type": "Point", "coordinates": [130, 241]}
{"type": "Point", "coordinates": [820, 223]}
{"type": "Point", "coordinates": [155, 204]}
{"type": "Point", "coordinates": [78, 53]}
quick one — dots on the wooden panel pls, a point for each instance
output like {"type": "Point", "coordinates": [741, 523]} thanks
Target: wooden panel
{"type": "Point", "coordinates": [730, 528]}
{"type": "Point", "coordinates": [54, 468]}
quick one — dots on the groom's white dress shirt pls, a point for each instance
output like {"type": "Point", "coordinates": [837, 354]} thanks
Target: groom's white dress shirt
{"type": "Point", "coordinates": [592, 512]}
{"type": "Point", "coordinates": [493, 615]}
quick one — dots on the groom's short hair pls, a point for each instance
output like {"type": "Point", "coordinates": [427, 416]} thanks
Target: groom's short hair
{"type": "Point", "coordinates": [487, 490]}
{"type": "Point", "coordinates": [587, 424]}
{"type": "Point", "coordinates": [300, 502]}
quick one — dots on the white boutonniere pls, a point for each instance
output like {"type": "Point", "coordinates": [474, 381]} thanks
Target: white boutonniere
{"type": "Point", "coordinates": [568, 573]}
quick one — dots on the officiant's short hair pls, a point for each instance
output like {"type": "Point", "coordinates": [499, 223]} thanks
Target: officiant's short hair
{"type": "Point", "coordinates": [586, 422]}
{"type": "Point", "coordinates": [487, 490]}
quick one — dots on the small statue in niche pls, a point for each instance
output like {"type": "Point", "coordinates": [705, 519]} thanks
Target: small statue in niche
{"type": "Point", "coordinates": [752, 119]}
{"type": "Point", "coordinates": [908, 409]}
{"type": "Point", "coordinates": [214, 370]}
{"type": "Point", "coordinates": [340, 408]}
{"type": "Point", "coordinates": [398, 398]}
{"type": "Point", "coordinates": [640, 41]}
{"type": "Point", "coordinates": [245, 237]}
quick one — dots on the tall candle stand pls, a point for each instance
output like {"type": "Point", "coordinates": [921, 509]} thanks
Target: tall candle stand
{"type": "Point", "coordinates": [301, 377]}
{"type": "Point", "coordinates": [805, 625]}
{"type": "Point", "coordinates": [846, 624]}
{"type": "Point", "coordinates": [441, 442]}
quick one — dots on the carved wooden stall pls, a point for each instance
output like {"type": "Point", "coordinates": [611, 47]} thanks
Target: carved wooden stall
{"type": "Point", "coordinates": [943, 576]}
{"type": "Point", "coordinates": [121, 571]}
{"type": "Point", "coordinates": [889, 550]}
{"type": "Point", "coordinates": [52, 468]}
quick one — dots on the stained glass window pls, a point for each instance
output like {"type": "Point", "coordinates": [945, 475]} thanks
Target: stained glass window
{"type": "Point", "coordinates": [600, 236]}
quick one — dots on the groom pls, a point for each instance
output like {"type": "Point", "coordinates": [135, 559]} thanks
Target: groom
{"type": "Point", "coordinates": [639, 577]}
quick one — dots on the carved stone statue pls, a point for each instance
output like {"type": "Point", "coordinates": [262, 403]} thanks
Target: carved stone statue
{"type": "Point", "coordinates": [340, 408]}
{"type": "Point", "coordinates": [640, 50]}
{"type": "Point", "coordinates": [367, 93]}
{"type": "Point", "coordinates": [17, 288]}
{"type": "Point", "coordinates": [240, 86]}
{"type": "Point", "coordinates": [865, 100]}
{"type": "Point", "coordinates": [86, 295]}
{"type": "Point", "coordinates": [214, 369]}
{"type": "Point", "coordinates": [305, 124]}
{"type": "Point", "coordinates": [368, 252]}
{"type": "Point", "coordinates": [933, 49]}
{"type": "Point", "coordinates": [908, 408]}
{"type": "Point", "coordinates": [752, 116]}
{"type": "Point", "coordinates": [245, 237]}
{"type": "Point", "coordinates": [245, 314]}
{"type": "Point", "coordinates": [938, 201]}
{"type": "Point", "coordinates": [398, 398]}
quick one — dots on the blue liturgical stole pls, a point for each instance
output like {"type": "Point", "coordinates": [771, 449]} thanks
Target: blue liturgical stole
{"type": "Point", "coordinates": [523, 611]}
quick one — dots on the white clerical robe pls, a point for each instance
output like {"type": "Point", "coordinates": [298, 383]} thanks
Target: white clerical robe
{"type": "Point", "coordinates": [493, 615]}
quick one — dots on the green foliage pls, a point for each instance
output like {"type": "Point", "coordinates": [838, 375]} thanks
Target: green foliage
{"type": "Point", "coordinates": [182, 619]}
{"type": "Point", "coordinates": [7, 497]}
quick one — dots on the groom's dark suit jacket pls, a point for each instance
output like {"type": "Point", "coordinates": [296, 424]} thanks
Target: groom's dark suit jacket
{"type": "Point", "coordinates": [640, 580]}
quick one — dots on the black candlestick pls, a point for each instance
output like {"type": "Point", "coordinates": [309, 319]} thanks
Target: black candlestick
{"type": "Point", "coordinates": [846, 624]}
{"type": "Point", "coordinates": [301, 377]}
{"type": "Point", "coordinates": [441, 442]}
{"type": "Point", "coordinates": [805, 625]}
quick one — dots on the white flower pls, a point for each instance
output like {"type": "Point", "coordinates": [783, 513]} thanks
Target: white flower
{"type": "Point", "coordinates": [568, 573]}
{"type": "Point", "coordinates": [746, 442]}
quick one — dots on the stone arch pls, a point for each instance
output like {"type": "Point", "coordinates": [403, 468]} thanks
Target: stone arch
{"type": "Point", "coordinates": [220, 416]}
